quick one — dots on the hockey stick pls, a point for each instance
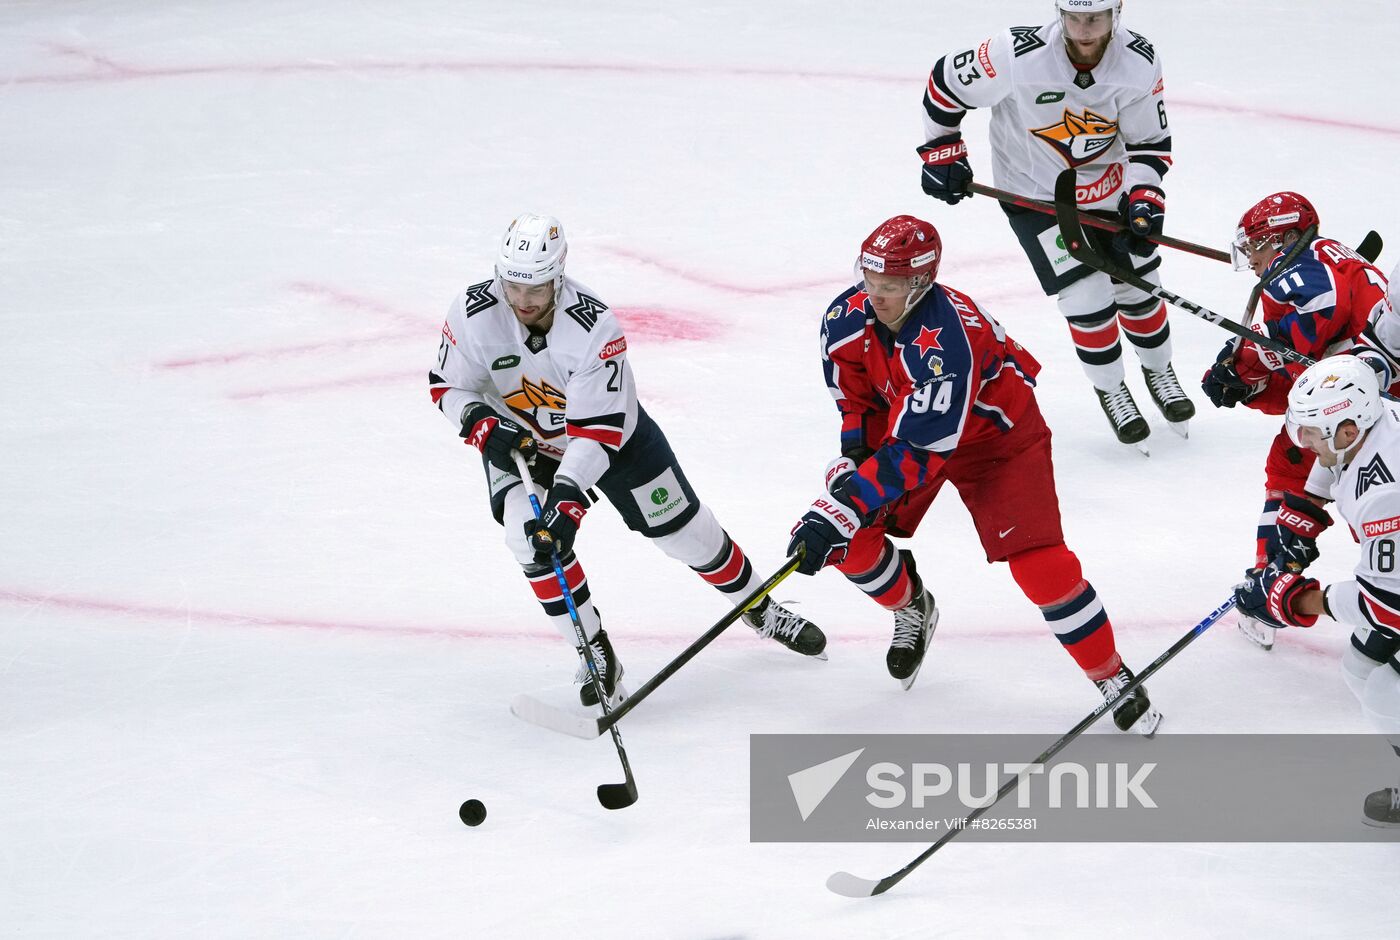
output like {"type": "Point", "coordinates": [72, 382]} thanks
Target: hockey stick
{"type": "Point", "coordinates": [1085, 253]}
{"type": "Point", "coordinates": [853, 886]}
{"type": "Point", "coordinates": [611, 795]}
{"type": "Point", "coordinates": [531, 709]}
{"type": "Point", "coordinates": [1094, 221]}
{"type": "Point", "coordinates": [1369, 248]}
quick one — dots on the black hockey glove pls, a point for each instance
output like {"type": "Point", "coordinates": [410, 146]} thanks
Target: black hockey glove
{"type": "Point", "coordinates": [1271, 595]}
{"type": "Point", "coordinates": [1223, 385]}
{"type": "Point", "coordinates": [496, 436]}
{"type": "Point", "coordinates": [557, 525]}
{"type": "Point", "coordinates": [1300, 522]}
{"type": "Point", "coordinates": [1143, 211]}
{"type": "Point", "coordinates": [823, 533]}
{"type": "Point", "coordinates": [946, 170]}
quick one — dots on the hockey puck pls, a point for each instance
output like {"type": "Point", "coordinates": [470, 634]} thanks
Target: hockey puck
{"type": "Point", "coordinates": [473, 812]}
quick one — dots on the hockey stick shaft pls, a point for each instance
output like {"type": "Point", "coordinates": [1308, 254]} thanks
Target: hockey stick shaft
{"type": "Point", "coordinates": [885, 884]}
{"type": "Point", "coordinates": [1082, 251]}
{"type": "Point", "coordinates": [530, 709]}
{"type": "Point", "coordinates": [608, 794]}
{"type": "Point", "coordinates": [1094, 221]}
{"type": "Point", "coordinates": [690, 652]}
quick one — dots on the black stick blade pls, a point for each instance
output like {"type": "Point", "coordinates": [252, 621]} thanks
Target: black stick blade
{"type": "Point", "coordinates": [617, 795]}
{"type": "Point", "coordinates": [1370, 247]}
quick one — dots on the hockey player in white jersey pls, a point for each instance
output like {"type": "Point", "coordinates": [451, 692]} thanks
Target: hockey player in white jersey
{"type": "Point", "coordinates": [1080, 92]}
{"type": "Point", "coordinates": [532, 361]}
{"type": "Point", "coordinates": [1336, 411]}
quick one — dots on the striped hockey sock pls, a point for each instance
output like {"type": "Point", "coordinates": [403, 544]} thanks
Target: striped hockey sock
{"type": "Point", "coordinates": [545, 584]}
{"type": "Point", "coordinates": [730, 571]}
{"type": "Point", "coordinates": [1266, 536]}
{"type": "Point", "coordinates": [1096, 343]}
{"type": "Point", "coordinates": [1082, 625]}
{"type": "Point", "coordinates": [887, 580]}
{"type": "Point", "coordinates": [1146, 327]}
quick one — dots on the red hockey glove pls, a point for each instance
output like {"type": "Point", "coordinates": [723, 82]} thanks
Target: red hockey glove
{"type": "Point", "coordinates": [496, 436]}
{"type": "Point", "coordinates": [1271, 595]}
{"type": "Point", "coordinates": [1300, 522]}
{"type": "Point", "coordinates": [557, 525]}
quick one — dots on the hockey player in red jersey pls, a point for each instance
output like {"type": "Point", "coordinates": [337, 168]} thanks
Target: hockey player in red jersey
{"type": "Point", "coordinates": [531, 361]}
{"type": "Point", "coordinates": [1080, 92]}
{"type": "Point", "coordinates": [931, 390]}
{"type": "Point", "coordinates": [1319, 297]}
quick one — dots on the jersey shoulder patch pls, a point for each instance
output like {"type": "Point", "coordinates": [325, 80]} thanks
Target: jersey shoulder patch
{"type": "Point", "coordinates": [586, 311]}
{"type": "Point", "coordinates": [1142, 47]}
{"type": "Point", "coordinates": [845, 317]}
{"type": "Point", "coordinates": [1025, 39]}
{"type": "Point", "coordinates": [477, 298]}
{"type": "Point", "coordinates": [1374, 473]}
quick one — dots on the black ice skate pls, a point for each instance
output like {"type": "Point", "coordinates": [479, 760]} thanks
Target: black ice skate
{"type": "Point", "coordinates": [1135, 713]}
{"type": "Point", "coordinates": [1383, 808]}
{"type": "Point", "coordinates": [1122, 412]}
{"type": "Point", "coordinates": [609, 673]}
{"type": "Point", "coordinates": [913, 627]}
{"type": "Point", "coordinates": [1170, 400]}
{"type": "Point", "coordinates": [774, 621]}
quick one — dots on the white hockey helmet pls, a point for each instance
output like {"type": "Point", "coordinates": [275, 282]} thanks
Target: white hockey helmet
{"type": "Point", "coordinates": [1090, 6]}
{"type": "Point", "coordinates": [532, 251]}
{"type": "Point", "coordinates": [1330, 391]}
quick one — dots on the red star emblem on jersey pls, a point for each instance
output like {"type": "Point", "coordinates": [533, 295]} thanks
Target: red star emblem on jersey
{"type": "Point", "coordinates": [856, 301]}
{"type": "Point", "coordinates": [928, 340]}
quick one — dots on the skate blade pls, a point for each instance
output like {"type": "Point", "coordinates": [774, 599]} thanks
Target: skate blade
{"type": "Point", "coordinates": [821, 656]}
{"type": "Point", "coordinates": [1381, 823]}
{"type": "Point", "coordinates": [1180, 428]}
{"type": "Point", "coordinates": [1260, 635]}
{"type": "Point", "coordinates": [908, 683]}
{"type": "Point", "coordinates": [1147, 723]}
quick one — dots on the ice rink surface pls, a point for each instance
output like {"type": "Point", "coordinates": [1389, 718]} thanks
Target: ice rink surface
{"type": "Point", "coordinates": [257, 629]}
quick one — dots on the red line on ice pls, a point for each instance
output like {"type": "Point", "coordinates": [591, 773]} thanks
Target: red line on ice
{"type": "Point", "coordinates": [109, 70]}
{"type": "Point", "coordinates": [185, 614]}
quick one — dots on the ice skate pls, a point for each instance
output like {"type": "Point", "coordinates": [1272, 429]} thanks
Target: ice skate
{"type": "Point", "coordinates": [913, 628]}
{"type": "Point", "coordinates": [609, 673]}
{"type": "Point", "coordinates": [1169, 398]}
{"type": "Point", "coordinates": [1135, 713]}
{"type": "Point", "coordinates": [1383, 808]}
{"type": "Point", "coordinates": [774, 621]}
{"type": "Point", "coordinates": [1128, 424]}
{"type": "Point", "coordinates": [1256, 631]}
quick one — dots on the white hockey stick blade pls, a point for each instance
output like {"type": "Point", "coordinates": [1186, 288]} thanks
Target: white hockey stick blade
{"type": "Point", "coordinates": [531, 709]}
{"type": "Point", "coordinates": [848, 885]}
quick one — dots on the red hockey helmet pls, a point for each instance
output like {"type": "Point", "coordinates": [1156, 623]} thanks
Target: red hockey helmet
{"type": "Point", "coordinates": [1265, 223]}
{"type": "Point", "coordinates": [904, 247]}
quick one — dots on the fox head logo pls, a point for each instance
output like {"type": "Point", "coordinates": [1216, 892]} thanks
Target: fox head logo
{"type": "Point", "coordinates": [1079, 138]}
{"type": "Point", "coordinates": [540, 405]}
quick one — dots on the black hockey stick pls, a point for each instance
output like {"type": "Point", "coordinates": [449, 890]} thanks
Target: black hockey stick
{"type": "Point", "coordinates": [611, 795]}
{"type": "Point", "coordinates": [853, 886]}
{"type": "Point", "coordinates": [1094, 221]}
{"type": "Point", "coordinates": [1370, 247]}
{"type": "Point", "coordinates": [531, 709]}
{"type": "Point", "coordinates": [1082, 251]}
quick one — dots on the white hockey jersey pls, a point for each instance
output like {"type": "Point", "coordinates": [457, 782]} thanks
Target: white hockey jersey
{"type": "Point", "coordinates": [572, 387]}
{"type": "Point", "coordinates": [1367, 497]}
{"type": "Point", "coordinates": [1109, 123]}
